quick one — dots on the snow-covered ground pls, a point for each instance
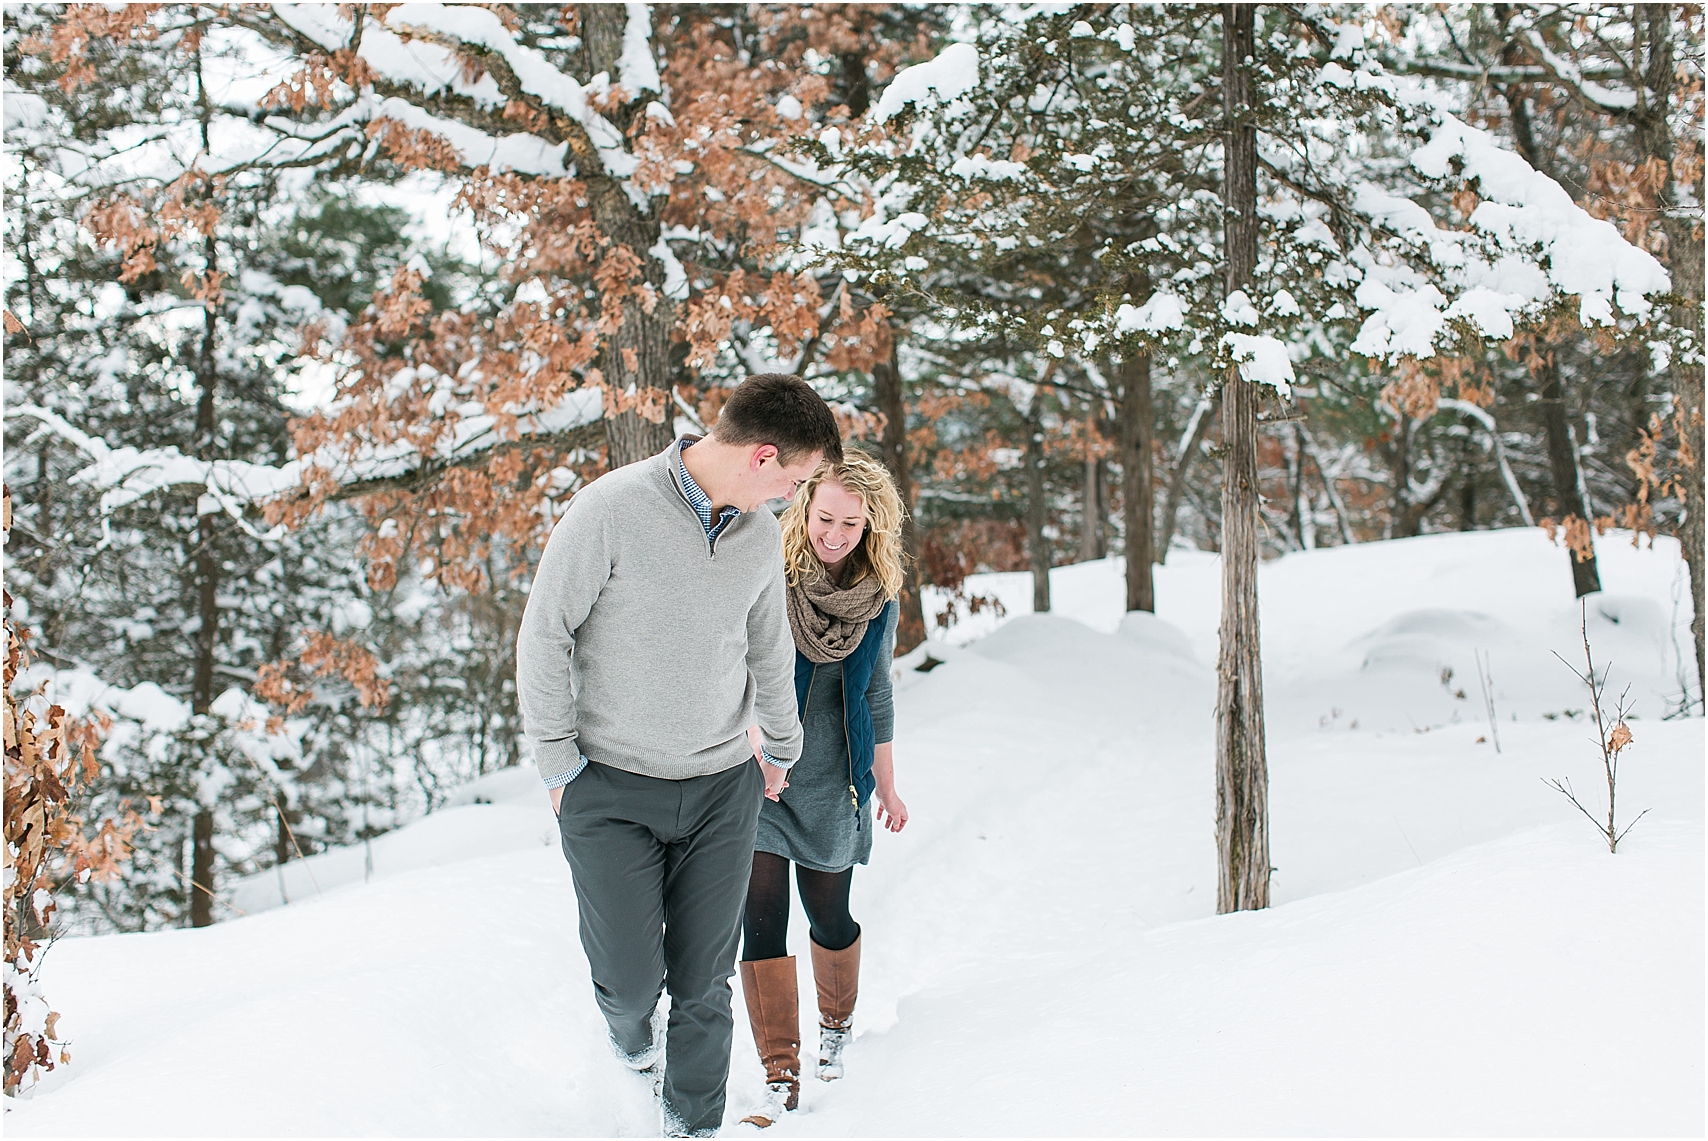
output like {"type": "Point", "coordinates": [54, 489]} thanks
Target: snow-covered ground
{"type": "Point", "coordinates": [1451, 948]}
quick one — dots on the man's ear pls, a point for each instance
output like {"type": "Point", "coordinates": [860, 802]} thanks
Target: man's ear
{"type": "Point", "coordinates": [760, 454]}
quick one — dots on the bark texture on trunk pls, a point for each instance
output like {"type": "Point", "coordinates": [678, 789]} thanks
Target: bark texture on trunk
{"type": "Point", "coordinates": [1684, 257]}
{"type": "Point", "coordinates": [1563, 463]}
{"type": "Point", "coordinates": [1037, 546]}
{"type": "Point", "coordinates": [1138, 486]}
{"type": "Point", "coordinates": [635, 360]}
{"type": "Point", "coordinates": [1690, 420]}
{"type": "Point", "coordinates": [892, 402]}
{"type": "Point", "coordinates": [1562, 451]}
{"type": "Point", "coordinates": [1091, 498]}
{"type": "Point", "coordinates": [202, 869]}
{"type": "Point", "coordinates": [1242, 775]}
{"type": "Point", "coordinates": [207, 603]}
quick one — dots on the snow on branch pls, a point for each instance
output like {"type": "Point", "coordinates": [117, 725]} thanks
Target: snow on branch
{"type": "Point", "coordinates": [636, 69]}
{"type": "Point", "coordinates": [126, 475]}
{"type": "Point", "coordinates": [952, 74]}
{"type": "Point", "coordinates": [421, 48]}
{"type": "Point", "coordinates": [145, 717]}
{"type": "Point", "coordinates": [1568, 73]}
{"type": "Point", "coordinates": [1164, 312]}
{"type": "Point", "coordinates": [1262, 360]}
{"type": "Point", "coordinates": [1528, 245]}
{"type": "Point", "coordinates": [521, 153]}
{"type": "Point", "coordinates": [536, 74]}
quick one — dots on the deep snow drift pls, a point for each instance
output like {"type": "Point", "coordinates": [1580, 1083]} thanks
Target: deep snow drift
{"type": "Point", "coordinates": [1451, 948]}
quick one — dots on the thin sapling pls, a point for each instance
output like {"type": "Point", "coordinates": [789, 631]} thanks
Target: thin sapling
{"type": "Point", "coordinates": [1612, 739]}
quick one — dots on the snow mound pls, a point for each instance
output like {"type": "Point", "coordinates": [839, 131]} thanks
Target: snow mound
{"type": "Point", "coordinates": [1626, 630]}
{"type": "Point", "coordinates": [518, 784]}
{"type": "Point", "coordinates": [1037, 639]}
{"type": "Point", "coordinates": [449, 836]}
{"type": "Point", "coordinates": [1431, 639]}
{"type": "Point", "coordinates": [1156, 636]}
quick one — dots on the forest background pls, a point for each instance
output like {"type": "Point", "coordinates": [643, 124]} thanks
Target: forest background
{"type": "Point", "coordinates": [318, 316]}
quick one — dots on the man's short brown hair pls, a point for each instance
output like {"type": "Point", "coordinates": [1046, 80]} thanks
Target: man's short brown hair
{"type": "Point", "coordinates": [783, 411]}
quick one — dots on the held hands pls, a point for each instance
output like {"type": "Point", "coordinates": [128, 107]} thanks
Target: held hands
{"type": "Point", "coordinates": [890, 810]}
{"type": "Point", "coordinates": [776, 779]}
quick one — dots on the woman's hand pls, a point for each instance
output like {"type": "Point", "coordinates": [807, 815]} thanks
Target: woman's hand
{"type": "Point", "coordinates": [776, 779]}
{"type": "Point", "coordinates": [891, 812]}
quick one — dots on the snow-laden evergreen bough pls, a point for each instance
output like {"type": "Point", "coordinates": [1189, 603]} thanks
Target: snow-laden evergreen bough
{"type": "Point", "coordinates": [1353, 261]}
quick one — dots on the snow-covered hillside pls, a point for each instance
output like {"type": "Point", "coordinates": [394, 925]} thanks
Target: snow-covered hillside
{"type": "Point", "coordinates": [1452, 950]}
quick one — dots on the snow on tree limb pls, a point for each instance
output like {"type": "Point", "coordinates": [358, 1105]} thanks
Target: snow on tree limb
{"type": "Point", "coordinates": [636, 70]}
{"type": "Point", "coordinates": [127, 475]}
{"type": "Point", "coordinates": [520, 153]}
{"type": "Point", "coordinates": [1262, 360]}
{"type": "Point", "coordinates": [422, 48]}
{"type": "Point", "coordinates": [952, 74]}
{"type": "Point", "coordinates": [1528, 246]}
{"type": "Point", "coordinates": [537, 76]}
{"type": "Point", "coordinates": [1567, 73]}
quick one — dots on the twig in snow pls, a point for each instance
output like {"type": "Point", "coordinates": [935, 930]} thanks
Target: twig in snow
{"type": "Point", "coordinates": [1612, 740]}
{"type": "Point", "coordinates": [1485, 682]}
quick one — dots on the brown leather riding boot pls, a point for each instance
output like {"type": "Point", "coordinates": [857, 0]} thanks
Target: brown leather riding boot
{"type": "Point", "coordinates": [837, 976]}
{"type": "Point", "coordinates": [774, 1009]}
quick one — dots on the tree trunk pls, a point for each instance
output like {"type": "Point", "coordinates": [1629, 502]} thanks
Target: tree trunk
{"type": "Point", "coordinates": [634, 361]}
{"type": "Point", "coordinates": [1467, 489]}
{"type": "Point", "coordinates": [1687, 283]}
{"type": "Point", "coordinates": [1298, 514]}
{"type": "Point", "coordinates": [1690, 419]}
{"type": "Point", "coordinates": [1684, 256]}
{"type": "Point", "coordinates": [1242, 779]}
{"type": "Point", "coordinates": [1091, 498]}
{"type": "Point", "coordinates": [1037, 546]}
{"type": "Point", "coordinates": [1562, 451]}
{"type": "Point", "coordinates": [1568, 475]}
{"type": "Point", "coordinates": [1138, 485]}
{"type": "Point", "coordinates": [202, 869]}
{"type": "Point", "coordinates": [282, 834]}
{"type": "Point", "coordinates": [887, 388]}
{"type": "Point", "coordinates": [1177, 479]}
{"type": "Point", "coordinates": [207, 563]}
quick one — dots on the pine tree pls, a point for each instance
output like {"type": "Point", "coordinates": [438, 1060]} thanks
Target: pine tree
{"type": "Point", "coordinates": [147, 388]}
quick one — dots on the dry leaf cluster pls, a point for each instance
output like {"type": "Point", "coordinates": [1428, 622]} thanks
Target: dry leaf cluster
{"type": "Point", "coordinates": [50, 758]}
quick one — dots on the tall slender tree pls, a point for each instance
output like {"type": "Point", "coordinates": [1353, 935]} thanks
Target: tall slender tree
{"type": "Point", "coordinates": [1242, 774]}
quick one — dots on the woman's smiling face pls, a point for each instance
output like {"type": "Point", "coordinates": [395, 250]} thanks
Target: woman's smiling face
{"type": "Point", "coordinates": [836, 518]}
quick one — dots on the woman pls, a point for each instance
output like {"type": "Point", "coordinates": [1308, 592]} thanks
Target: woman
{"type": "Point", "coordinates": [842, 555]}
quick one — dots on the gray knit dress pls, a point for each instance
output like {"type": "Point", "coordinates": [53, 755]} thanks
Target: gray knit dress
{"type": "Point", "coordinates": [813, 822]}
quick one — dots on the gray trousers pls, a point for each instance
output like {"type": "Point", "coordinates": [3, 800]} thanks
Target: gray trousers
{"type": "Point", "coordinates": [661, 870]}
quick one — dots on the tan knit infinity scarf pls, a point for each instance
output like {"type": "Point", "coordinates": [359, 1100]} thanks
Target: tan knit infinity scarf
{"type": "Point", "coordinates": [828, 621]}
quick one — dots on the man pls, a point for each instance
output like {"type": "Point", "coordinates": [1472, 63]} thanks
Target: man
{"type": "Point", "coordinates": [655, 634]}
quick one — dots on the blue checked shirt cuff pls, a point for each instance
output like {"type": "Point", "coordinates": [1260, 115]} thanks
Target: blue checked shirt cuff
{"type": "Point", "coordinates": [564, 778]}
{"type": "Point", "coordinates": [770, 760]}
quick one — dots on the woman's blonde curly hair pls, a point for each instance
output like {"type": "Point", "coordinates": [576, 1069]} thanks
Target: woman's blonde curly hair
{"type": "Point", "coordinates": [879, 551]}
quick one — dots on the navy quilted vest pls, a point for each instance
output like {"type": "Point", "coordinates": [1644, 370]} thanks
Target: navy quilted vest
{"type": "Point", "coordinates": [856, 714]}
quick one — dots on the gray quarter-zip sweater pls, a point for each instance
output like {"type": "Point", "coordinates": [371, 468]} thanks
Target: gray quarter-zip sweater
{"type": "Point", "coordinates": [649, 647]}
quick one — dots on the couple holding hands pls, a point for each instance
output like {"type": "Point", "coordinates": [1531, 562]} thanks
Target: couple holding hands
{"type": "Point", "coordinates": [707, 691]}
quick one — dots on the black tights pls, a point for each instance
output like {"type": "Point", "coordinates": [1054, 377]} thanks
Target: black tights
{"type": "Point", "coordinates": [824, 897]}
